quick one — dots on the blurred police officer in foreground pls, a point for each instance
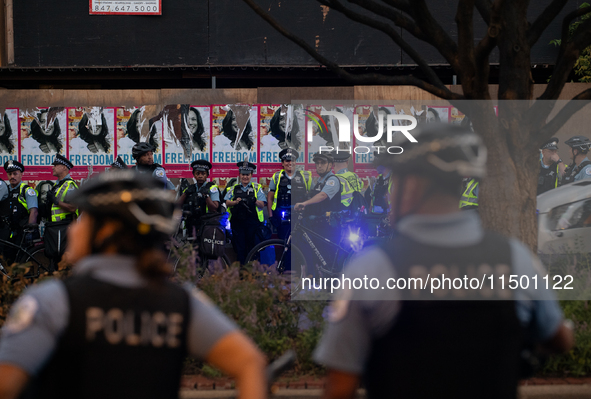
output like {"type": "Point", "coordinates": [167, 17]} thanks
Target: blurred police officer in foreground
{"type": "Point", "coordinates": [118, 164]}
{"type": "Point", "coordinates": [436, 348]}
{"type": "Point", "coordinates": [287, 187]}
{"type": "Point", "coordinates": [22, 207]}
{"type": "Point", "coordinates": [143, 153]}
{"type": "Point", "coordinates": [62, 211]}
{"type": "Point", "coordinates": [581, 166]}
{"type": "Point", "coordinates": [551, 166]}
{"type": "Point", "coordinates": [199, 198]}
{"type": "Point", "coordinates": [245, 202]}
{"type": "Point", "coordinates": [118, 328]}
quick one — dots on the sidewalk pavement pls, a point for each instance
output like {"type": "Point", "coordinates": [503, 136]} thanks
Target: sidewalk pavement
{"type": "Point", "coordinates": [306, 387]}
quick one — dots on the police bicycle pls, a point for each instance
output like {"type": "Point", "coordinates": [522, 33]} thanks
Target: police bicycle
{"type": "Point", "coordinates": [289, 258]}
{"type": "Point", "coordinates": [184, 239]}
{"type": "Point", "coordinates": [31, 254]}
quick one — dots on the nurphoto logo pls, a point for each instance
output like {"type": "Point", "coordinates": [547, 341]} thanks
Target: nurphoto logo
{"type": "Point", "coordinates": [344, 130]}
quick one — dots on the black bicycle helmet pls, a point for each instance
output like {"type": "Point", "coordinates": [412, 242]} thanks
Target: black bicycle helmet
{"type": "Point", "coordinates": [140, 149]}
{"type": "Point", "coordinates": [581, 143]}
{"type": "Point", "coordinates": [441, 151]}
{"type": "Point", "coordinates": [325, 156]}
{"type": "Point", "coordinates": [135, 198]}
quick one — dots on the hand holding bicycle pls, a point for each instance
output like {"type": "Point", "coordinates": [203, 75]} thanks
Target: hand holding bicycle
{"type": "Point", "coordinates": [300, 206]}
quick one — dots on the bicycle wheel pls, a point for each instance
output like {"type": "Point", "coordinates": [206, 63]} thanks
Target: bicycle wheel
{"type": "Point", "coordinates": [290, 263]}
{"type": "Point", "coordinates": [38, 253]}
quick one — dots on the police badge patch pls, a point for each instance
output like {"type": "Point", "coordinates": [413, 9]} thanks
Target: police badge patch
{"type": "Point", "coordinates": [160, 172]}
{"type": "Point", "coordinates": [31, 192]}
{"type": "Point", "coordinates": [22, 314]}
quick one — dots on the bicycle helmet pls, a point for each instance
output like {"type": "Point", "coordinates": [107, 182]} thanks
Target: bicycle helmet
{"type": "Point", "coordinates": [581, 143]}
{"type": "Point", "coordinates": [140, 149]}
{"type": "Point", "coordinates": [442, 151]}
{"type": "Point", "coordinates": [327, 157]}
{"type": "Point", "coordinates": [136, 199]}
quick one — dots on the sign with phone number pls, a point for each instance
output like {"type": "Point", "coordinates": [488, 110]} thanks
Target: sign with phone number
{"type": "Point", "coordinates": [125, 7]}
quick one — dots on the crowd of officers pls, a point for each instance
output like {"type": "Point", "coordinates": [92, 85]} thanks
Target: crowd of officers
{"type": "Point", "coordinates": [554, 172]}
{"type": "Point", "coordinates": [119, 328]}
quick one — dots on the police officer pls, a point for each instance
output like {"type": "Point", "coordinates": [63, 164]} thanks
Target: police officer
{"type": "Point", "coordinates": [341, 160]}
{"type": "Point", "coordinates": [118, 328]}
{"type": "Point", "coordinates": [22, 207]}
{"type": "Point", "coordinates": [466, 348]}
{"type": "Point", "coordinates": [62, 213]}
{"type": "Point", "coordinates": [119, 164]}
{"type": "Point", "coordinates": [245, 202]}
{"type": "Point", "coordinates": [551, 166]}
{"type": "Point", "coordinates": [581, 166]}
{"type": "Point", "coordinates": [287, 187]}
{"type": "Point", "coordinates": [330, 194]}
{"type": "Point", "coordinates": [201, 197]}
{"type": "Point", "coordinates": [143, 153]}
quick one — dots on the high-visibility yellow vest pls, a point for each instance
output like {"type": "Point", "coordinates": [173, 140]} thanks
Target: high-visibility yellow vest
{"type": "Point", "coordinates": [468, 198]}
{"type": "Point", "coordinates": [276, 178]}
{"type": "Point", "coordinates": [257, 187]}
{"type": "Point", "coordinates": [57, 213]}
{"type": "Point", "coordinates": [354, 180]}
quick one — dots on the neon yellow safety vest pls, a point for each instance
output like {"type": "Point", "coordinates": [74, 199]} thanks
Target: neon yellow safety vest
{"type": "Point", "coordinates": [21, 195]}
{"type": "Point", "coordinates": [306, 175]}
{"type": "Point", "coordinates": [257, 188]}
{"type": "Point", "coordinates": [58, 214]}
{"type": "Point", "coordinates": [346, 191]}
{"type": "Point", "coordinates": [468, 198]}
{"type": "Point", "coordinates": [354, 180]}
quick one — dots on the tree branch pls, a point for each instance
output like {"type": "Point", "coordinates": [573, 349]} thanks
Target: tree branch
{"type": "Point", "coordinates": [570, 51]}
{"type": "Point", "coordinates": [437, 36]}
{"type": "Point", "coordinates": [399, 4]}
{"type": "Point", "coordinates": [484, 7]}
{"type": "Point", "coordinates": [487, 45]}
{"type": "Point", "coordinates": [392, 33]}
{"type": "Point", "coordinates": [543, 20]}
{"type": "Point", "coordinates": [572, 107]}
{"type": "Point", "coordinates": [355, 79]}
{"type": "Point", "coordinates": [465, 24]}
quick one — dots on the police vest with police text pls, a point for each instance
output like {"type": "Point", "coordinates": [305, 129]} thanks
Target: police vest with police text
{"type": "Point", "coordinates": [120, 342]}
{"type": "Point", "coordinates": [285, 196]}
{"type": "Point", "coordinates": [548, 178]}
{"type": "Point", "coordinates": [572, 171]}
{"type": "Point", "coordinates": [247, 209]}
{"type": "Point", "coordinates": [468, 348]}
{"type": "Point", "coordinates": [195, 201]}
{"type": "Point", "coordinates": [353, 180]}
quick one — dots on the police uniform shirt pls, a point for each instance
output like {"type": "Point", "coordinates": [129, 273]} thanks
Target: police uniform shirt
{"type": "Point", "coordinates": [3, 190]}
{"type": "Point", "coordinates": [344, 170]}
{"type": "Point", "coordinates": [259, 194]}
{"type": "Point", "coordinates": [160, 174]}
{"type": "Point", "coordinates": [584, 173]}
{"type": "Point", "coordinates": [214, 193]}
{"type": "Point", "coordinates": [357, 316]}
{"type": "Point", "coordinates": [40, 316]}
{"type": "Point", "coordinates": [332, 186]}
{"type": "Point", "coordinates": [30, 196]}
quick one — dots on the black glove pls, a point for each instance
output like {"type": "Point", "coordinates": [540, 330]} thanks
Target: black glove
{"type": "Point", "coordinates": [204, 191]}
{"type": "Point", "coordinates": [31, 227]}
{"type": "Point", "coordinates": [51, 198]}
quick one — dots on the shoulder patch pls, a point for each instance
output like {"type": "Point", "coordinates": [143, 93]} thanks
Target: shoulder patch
{"type": "Point", "coordinates": [588, 171]}
{"type": "Point", "coordinates": [330, 182]}
{"type": "Point", "coordinates": [22, 314]}
{"type": "Point", "coordinates": [31, 192]}
{"type": "Point", "coordinates": [159, 172]}
{"type": "Point", "coordinates": [214, 189]}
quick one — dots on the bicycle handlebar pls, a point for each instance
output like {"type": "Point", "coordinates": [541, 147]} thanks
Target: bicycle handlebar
{"type": "Point", "coordinates": [279, 366]}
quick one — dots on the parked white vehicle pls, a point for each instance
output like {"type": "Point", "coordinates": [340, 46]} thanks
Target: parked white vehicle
{"type": "Point", "coordinates": [564, 219]}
